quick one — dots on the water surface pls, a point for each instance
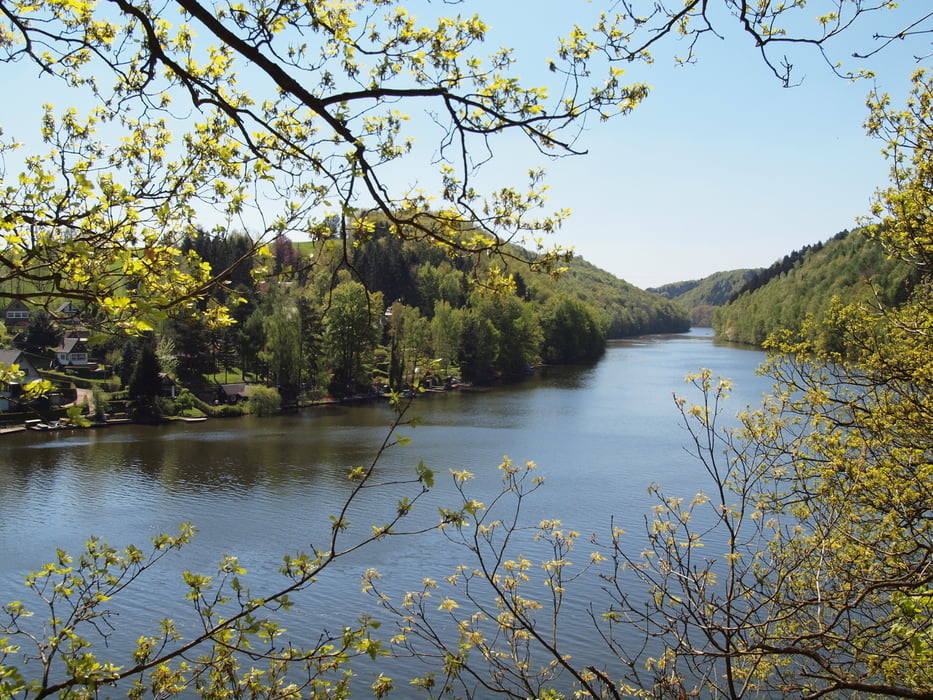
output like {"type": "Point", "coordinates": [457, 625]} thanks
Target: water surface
{"type": "Point", "coordinates": [261, 488]}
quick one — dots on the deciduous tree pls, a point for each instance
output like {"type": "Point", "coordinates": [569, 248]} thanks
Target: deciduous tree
{"type": "Point", "coordinates": [804, 570]}
{"type": "Point", "coordinates": [260, 115]}
{"type": "Point", "coordinates": [573, 332]}
{"type": "Point", "coordinates": [408, 345]}
{"type": "Point", "coordinates": [352, 329]}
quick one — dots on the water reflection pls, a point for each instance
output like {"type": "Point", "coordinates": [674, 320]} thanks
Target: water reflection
{"type": "Point", "coordinates": [261, 488]}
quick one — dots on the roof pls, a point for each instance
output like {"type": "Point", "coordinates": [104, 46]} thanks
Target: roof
{"type": "Point", "coordinates": [240, 389]}
{"type": "Point", "coordinates": [18, 358]}
{"type": "Point", "coordinates": [67, 309]}
{"type": "Point", "coordinates": [16, 305]}
{"type": "Point", "coordinates": [11, 357]}
{"type": "Point", "coordinates": [70, 345]}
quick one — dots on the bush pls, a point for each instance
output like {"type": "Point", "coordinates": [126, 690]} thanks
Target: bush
{"type": "Point", "coordinates": [227, 411]}
{"type": "Point", "coordinates": [264, 401]}
{"type": "Point", "coordinates": [101, 404]}
{"type": "Point", "coordinates": [165, 406]}
{"type": "Point", "coordinates": [186, 402]}
{"type": "Point", "coordinates": [189, 404]}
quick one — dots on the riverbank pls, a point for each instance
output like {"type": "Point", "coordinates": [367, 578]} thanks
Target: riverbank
{"type": "Point", "coordinates": [36, 425]}
{"type": "Point", "coordinates": [263, 488]}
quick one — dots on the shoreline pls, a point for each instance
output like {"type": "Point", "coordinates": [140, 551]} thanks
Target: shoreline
{"type": "Point", "coordinates": [324, 402]}
{"type": "Point", "coordinates": [40, 427]}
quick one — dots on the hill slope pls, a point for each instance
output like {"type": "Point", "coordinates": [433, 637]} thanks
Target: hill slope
{"type": "Point", "coordinates": [627, 309]}
{"type": "Point", "coordinates": [849, 266]}
{"type": "Point", "coordinates": [702, 297]}
{"type": "Point", "coordinates": [399, 270]}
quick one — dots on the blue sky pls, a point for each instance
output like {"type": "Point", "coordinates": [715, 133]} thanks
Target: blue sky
{"type": "Point", "coordinates": [720, 168]}
{"type": "Point", "coordinates": [723, 168]}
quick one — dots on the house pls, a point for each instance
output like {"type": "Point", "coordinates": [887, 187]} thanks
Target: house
{"type": "Point", "coordinates": [169, 388]}
{"type": "Point", "coordinates": [16, 315]}
{"type": "Point", "coordinates": [233, 393]}
{"type": "Point", "coordinates": [10, 392]}
{"type": "Point", "coordinates": [72, 351]}
{"type": "Point", "coordinates": [19, 358]}
{"type": "Point", "coordinates": [68, 314]}
{"type": "Point", "coordinates": [80, 333]}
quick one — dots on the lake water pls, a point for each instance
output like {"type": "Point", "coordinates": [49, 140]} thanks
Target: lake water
{"type": "Point", "coordinates": [262, 488]}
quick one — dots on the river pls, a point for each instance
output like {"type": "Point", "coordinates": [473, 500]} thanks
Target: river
{"type": "Point", "coordinates": [261, 488]}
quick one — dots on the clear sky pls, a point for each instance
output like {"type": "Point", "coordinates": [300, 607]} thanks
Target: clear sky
{"type": "Point", "coordinates": [721, 167]}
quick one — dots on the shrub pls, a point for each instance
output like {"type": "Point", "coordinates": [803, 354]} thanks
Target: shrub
{"type": "Point", "coordinates": [227, 411]}
{"type": "Point", "coordinates": [101, 404]}
{"type": "Point", "coordinates": [264, 401]}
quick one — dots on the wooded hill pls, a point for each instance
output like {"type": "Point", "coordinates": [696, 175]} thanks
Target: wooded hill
{"type": "Point", "coordinates": [352, 314]}
{"type": "Point", "coordinates": [702, 297]}
{"type": "Point", "coordinates": [849, 267]}
{"type": "Point", "coordinates": [628, 310]}
{"type": "Point", "coordinates": [415, 273]}
{"type": "Point", "coordinates": [346, 316]}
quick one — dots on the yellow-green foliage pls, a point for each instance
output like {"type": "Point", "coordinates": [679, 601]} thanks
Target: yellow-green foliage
{"type": "Point", "coordinates": [264, 401]}
{"type": "Point", "coordinates": [849, 268]}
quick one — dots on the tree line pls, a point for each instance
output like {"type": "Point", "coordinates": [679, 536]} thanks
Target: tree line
{"type": "Point", "coordinates": [362, 313]}
{"type": "Point", "coordinates": [803, 286]}
{"type": "Point", "coordinates": [394, 313]}
{"type": "Point", "coordinates": [822, 494]}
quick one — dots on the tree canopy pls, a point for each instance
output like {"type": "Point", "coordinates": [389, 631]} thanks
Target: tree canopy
{"type": "Point", "coordinates": [271, 115]}
{"type": "Point", "coordinates": [268, 117]}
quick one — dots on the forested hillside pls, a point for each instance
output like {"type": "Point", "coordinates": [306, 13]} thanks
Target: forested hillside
{"type": "Point", "coordinates": [627, 309]}
{"type": "Point", "coordinates": [361, 310]}
{"type": "Point", "coordinates": [355, 312]}
{"type": "Point", "coordinates": [702, 297]}
{"type": "Point", "coordinates": [849, 268]}
{"type": "Point", "coordinates": [419, 274]}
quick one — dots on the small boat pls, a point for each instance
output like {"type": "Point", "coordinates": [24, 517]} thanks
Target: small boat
{"type": "Point", "coordinates": [37, 424]}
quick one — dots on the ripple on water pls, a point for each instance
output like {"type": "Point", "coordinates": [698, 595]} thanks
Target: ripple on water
{"type": "Point", "coordinates": [261, 489]}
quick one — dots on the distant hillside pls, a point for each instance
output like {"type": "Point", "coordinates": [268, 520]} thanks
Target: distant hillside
{"type": "Point", "coordinates": [627, 309]}
{"type": "Point", "coordinates": [405, 271]}
{"type": "Point", "coordinates": [849, 266]}
{"type": "Point", "coordinates": [702, 297]}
